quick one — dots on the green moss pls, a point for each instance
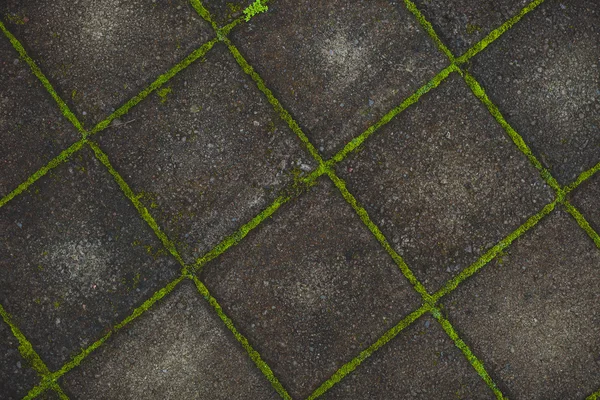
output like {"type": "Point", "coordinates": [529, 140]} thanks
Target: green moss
{"type": "Point", "coordinates": [163, 93]}
{"type": "Point", "coordinates": [255, 8]}
{"type": "Point", "coordinates": [472, 28]}
{"type": "Point", "coordinates": [16, 19]}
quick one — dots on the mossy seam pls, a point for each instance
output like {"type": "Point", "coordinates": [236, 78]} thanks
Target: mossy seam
{"type": "Point", "coordinates": [594, 396]}
{"type": "Point", "coordinates": [429, 29]}
{"type": "Point", "coordinates": [366, 353]}
{"type": "Point", "coordinates": [584, 176]}
{"type": "Point", "coordinates": [582, 222]}
{"type": "Point", "coordinates": [254, 355]}
{"type": "Point", "coordinates": [40, 75]}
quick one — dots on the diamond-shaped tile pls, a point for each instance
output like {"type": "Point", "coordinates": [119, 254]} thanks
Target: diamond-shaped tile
{"type": "Point", "coordinates": [533, 314]}
{"type": "Point", "coordinates": [338, 66]}
{"type": "Point", "coordinates": [75, 258]}
{"type": "Point", "coordinates": [587, 199]}
{"type": "Point", "coordinates": [208, 156]}
{"type": "Point", "coordinates": [32, 129]}
{"type": "Point", "coordinates": [460, 24]}
{"type": "Point", "coordinates": [179, 349]}
{"type": "Point", "coordinates": [224, 11]}
{"type": "Point", "coordinates": [310, 288]}
{"type": "Point", "coordinates": [444, 182]}
{"type": "Point", "coordinates": [544, 75]}
{"type": "Point", "coordinates": [16, 376]}
{"type": "Point", "coordinates": [420, 363]}
{"type": "Point", "coordinates": [99, 54]}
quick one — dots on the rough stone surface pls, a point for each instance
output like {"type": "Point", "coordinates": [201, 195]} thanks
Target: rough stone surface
{"type": "Point", "coordinates": [310, 288]}
{"type": "Point", "coordinates": [75, 257]}
{"type": "Point", "coordinates": [339, 66]}
{"type": "Point", "coordinates": [16, 375]}
{"type": "Point", "coordinates": [544, 75]}
{"type": "Point", "coordinates": [420, 363]}
{"type": "Point", "coordinates": [209, 155]}
{"type": "Point", "coordinates": [224, 11]}
{"type": "Point", "coordinates": [99, 54]}
{"type": "Point", "coordinates": [32, 129]}
{"type": "Point", "coordinates": [460, 24]}
{"type": "Point", "coordinates": [533, 314]}
{"type": "Point", "coordinates": [587, 199]}
{"type": "Point", "coordinates": [179, 349]}
{"type": "Point", "coordinates": [444, 182]}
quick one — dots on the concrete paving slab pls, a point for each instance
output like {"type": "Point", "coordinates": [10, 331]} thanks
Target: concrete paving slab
{"type": "Point", "coordinates": [207, 156]}
{"type": "Point", "coordinates": [99, 54]}
{"type": "Point", "coordinates": [16, 376]}
{"type": "Point", "coordinates": [544, 76]}
{"type": "Point", "coordinates": [32, 129]}
{"type": "Point", "coordinates": [75, 258]}
{"type": "Point", "coordinates": [311, 288]}
{"type": "Point", "coordinates": [338, 66]}
{"type": "Point", "coordinates": [587, 199]}
{"type": "Point", "coordinates": [444, 183]}
{"type": "Point", "coordinates": [532, 315]}
{"type": "Point", "coordinates": [179, 349]}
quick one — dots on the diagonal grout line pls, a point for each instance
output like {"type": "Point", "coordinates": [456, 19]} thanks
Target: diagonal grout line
{"type": "Point", "coordinates": [161, 80]}
{"type": "Point", "coordinates": [475, 362]}
{"type": "Point", "coordinates": [429, 29]}
{"type": "Point", "coordinates": [355, 362]}
{"type": "Point", "coordinates": [51, 379]}
{"type": "Point", "coordinates": [62, 157]}
{"type": "Point", "coordinates": [584, 176]}
{"type": "Point", "coordinates": [582, 222]}
{"type": "Point", "coordinates": [241, 19]}
{"type": "Point", "coordinates": [142, 210]}
{"type": "Point", "coordinates": [40, 75]}
{"type": "Point", "coordinates": [364, 216]}
{"type": "Point", "coordinates": [254, 355]}
{"type": "Point", "coordinates": [491, 253]}
{"type": "Point", "coordinates": [496, 33]}
{"type": "Point", "coordinates": [58, 390]}
{"type": "Point", "coordinates": [298, 188]}
{"type": "Point", "coordinates": [594, 396]}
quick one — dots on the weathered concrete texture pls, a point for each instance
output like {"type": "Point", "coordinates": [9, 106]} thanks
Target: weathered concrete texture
{"type": "Point", "coordinates": [460, 24]}
{"type": "Point", "coordinates": [420, 363]}
{"type": "Point", "coordinates": [338, 66]}
{"type": "Point", "coordinates": [16, 375]}
{"type": "Point", "coordinates": [32, 129]}
{"type": "Point", "coordinates": [533, 314]}
{"type": "Point", "coordinates": [587, 199]}
{"type": "Point", "coordinates": [75, 258]}
{"type": "Point", "coordinates": [444, 182]}
{"type": "Point", "coordinates": [544, 76]}
{"type": "Point", "coordinates": [223, 11]}
{"type": "Point", "coordinates": [310, 288]}
{"type": "Point", "coordinates": [179, 349]}
{"type": "Point", "coordinates": [99, 54]}
{"type": "Point", "coordinates": [209, 155]}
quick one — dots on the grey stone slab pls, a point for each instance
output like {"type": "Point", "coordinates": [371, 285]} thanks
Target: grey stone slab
{"type": "Point", "coordinates": [99, 54]}
{"type": "Point", "coordinates": [544, 76]}
{"type": "Point", "coordinates": [533, 314]}
{"type": "Point", "coordinates": [75, 258]}
{"type": "Point", "coordinates": [587, 199]}
{"type": "Point", "coordinates": [223, 11]}
{"type": "Point", "coordinates": [16, 375]}
{"type": "Point", "coordinates": [32, 129]}
{"type": "Point", "coordinates": [460, 24]}
{"type": "Point", "coordinates": [179, 349]}
{"type": "Point", "coordinates": [310, 288]}
{"type": "Point", "coordinates": [444, 182]}
{"type": "Point", "coordinates": [208, 156]}
{"type": "Point", "coordinates": [338, 66]}
{"type": "Point", "coordinates": [420, 363]}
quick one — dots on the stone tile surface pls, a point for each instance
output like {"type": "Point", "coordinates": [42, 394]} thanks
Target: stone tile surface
{"type": "Point", "coordinates": [224, 11]}
{"type": "Point", "coordinates": [179, 349]}
{"type": "Point", "coordinates": [208, 156]}
{"type": "Point", "coordinates": [544, 76]}
{"type": "Point", "coordinates": [587, 199]}
{"type": "Point", "coordinates": [420, 363]}
{"type": "Point", "coordinates": [32, 129]}
{"type": "Point", "coordinates": [75, 258]}
{"type": "Point", "coordinates": [460, 24]}
{"type": "Point", "coordinates": [338, 66]}
{"type": "Point", "coordinates": [16, 376]}
{"type": "Point", "coordinates": [444, 183]}
{"type": "Point", "coordinates": [99, 54]}
{"type": "Point", "coordinates": [310, 288]}
{"type": "Point", "coordinates": [533, 314]}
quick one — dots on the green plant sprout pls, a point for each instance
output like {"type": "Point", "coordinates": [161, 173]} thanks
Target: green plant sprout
{"type": "Point", "coordinates": [255, 8]}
